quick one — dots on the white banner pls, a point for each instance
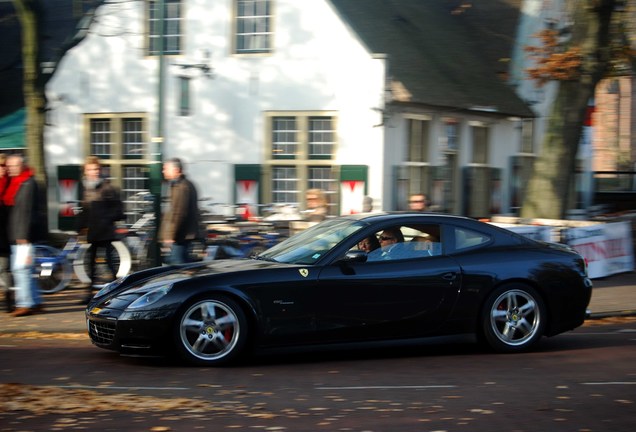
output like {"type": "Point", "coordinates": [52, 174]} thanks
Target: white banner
{"type": "Point", "coordinates": [607, 248]}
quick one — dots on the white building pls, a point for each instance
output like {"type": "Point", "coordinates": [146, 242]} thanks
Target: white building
{"type": "Point", "coordinates": [357, 98]}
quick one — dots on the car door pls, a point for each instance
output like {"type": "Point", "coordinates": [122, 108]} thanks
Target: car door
{"type": "Point", "coordinates": [284, 300]}
{"type": "Point", "coordinates": [386, 299]}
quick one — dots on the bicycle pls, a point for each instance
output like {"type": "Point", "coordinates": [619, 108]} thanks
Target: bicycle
{"type": "Point", "coordinates": [138, 238]}
{"type": "Point", "coordinates": [55, 268]}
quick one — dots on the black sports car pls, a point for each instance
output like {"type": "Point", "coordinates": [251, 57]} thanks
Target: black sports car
{"type": "Point", "coordinates": [361, 278]}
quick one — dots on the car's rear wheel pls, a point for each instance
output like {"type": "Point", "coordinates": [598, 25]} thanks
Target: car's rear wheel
{"type": "Point", "coordinates": [513, 319]}
{"type": "Point", "coordinates": [211, 331]}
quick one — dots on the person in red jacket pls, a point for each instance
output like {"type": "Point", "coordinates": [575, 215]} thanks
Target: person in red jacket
{"type": "Point", "coordinates": [24, 228]}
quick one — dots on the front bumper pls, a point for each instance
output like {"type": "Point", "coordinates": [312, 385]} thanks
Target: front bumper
{"type": "Point", "coordinates": [142, 333]}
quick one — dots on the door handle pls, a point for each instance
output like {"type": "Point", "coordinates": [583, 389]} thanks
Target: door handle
{"type": "Point", "coordinates": [449, 276]}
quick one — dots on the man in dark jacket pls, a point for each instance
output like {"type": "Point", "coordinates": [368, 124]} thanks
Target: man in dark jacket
{"type": "Point", "coordinates": [22, 198]}
{"type": "Point", "coordinates": [180, 223]}
{"type": "Point", "coordinates": [101, 209]}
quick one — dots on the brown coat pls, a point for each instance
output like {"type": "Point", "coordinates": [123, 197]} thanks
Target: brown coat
{"type": "Point", "coordinates": [180, 223]}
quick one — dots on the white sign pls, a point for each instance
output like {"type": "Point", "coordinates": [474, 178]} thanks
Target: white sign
{"type": "Point", "coordinates": [607, 248]}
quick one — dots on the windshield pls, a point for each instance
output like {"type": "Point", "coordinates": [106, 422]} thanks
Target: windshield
{"type": "Point", "coordinates": [310, 245]}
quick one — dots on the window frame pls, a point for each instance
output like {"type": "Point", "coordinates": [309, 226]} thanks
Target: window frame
{"type": "Point", "coordinates": [151, 23]}
{"type": "Point", "coordinates": [418, 167]}
{"type": "Point", "coordinates": [480, 148]}
{"type": "Point", "coordinates": [268, 34]}
{"type": "Point", "coordinates": [118, 165]}
{"type": "Point", "coordinates": [301, 159]}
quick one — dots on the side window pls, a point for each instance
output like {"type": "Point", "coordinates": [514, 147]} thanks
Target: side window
{"type": "Point", "coordinates": [403, 243]}
{"type": "Point", "coordinates": [465, 238]}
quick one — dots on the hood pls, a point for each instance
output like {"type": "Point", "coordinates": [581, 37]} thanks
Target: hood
{"type": "Point", "coordinates": [120, 293]}
{"type": "Point", "coordinates": [148, 279]}
{"type": "Point", "coordinates": [222, 267]}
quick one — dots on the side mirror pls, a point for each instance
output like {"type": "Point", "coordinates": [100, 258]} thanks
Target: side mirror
{"type": "Point", "coordinates": [356, 256]}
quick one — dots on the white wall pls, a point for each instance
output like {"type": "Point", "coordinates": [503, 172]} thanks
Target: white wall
{"type": "Point", "coordinates": [317, 64]}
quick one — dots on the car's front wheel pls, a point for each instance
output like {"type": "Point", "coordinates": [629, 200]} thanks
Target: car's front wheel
{"type": "Point", "coordinates": [211, 331]}
{"type": "Point", "coordinates": [513, 318]}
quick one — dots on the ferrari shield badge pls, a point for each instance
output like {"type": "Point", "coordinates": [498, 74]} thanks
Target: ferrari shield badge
{"type": "Point", "coordinates": [303, 272]}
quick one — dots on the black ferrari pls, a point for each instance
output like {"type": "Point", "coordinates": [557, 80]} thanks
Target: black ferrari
{"type": "Point", "coordinates": [361, 278]}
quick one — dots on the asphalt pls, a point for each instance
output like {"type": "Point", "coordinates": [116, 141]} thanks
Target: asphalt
{"type": "Point", "coordinates": [613, 296]}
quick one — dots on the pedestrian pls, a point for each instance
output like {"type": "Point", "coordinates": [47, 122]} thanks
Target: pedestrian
{"type": "Point", "coordinates": [316, 206]}
{"type": "Point", "coordinates": [24, 226]}
{"type": "Point", "coordinates": [367, 204]}
{"type": "Point", "coordinates": [180, 223]}
{"type": "Point", "coordinates": [101, 208]}
{"type": "Point", "coordinates": [417, 202]}
{"type": "Point", "coordinates": [5, 275]}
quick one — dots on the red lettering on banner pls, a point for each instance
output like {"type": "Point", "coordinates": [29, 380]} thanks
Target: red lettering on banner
{"type": "Point", "coordinates": [612, 248]}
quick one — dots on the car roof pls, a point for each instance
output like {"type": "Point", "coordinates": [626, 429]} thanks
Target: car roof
{"type": "Point", "coordinates": [386, 216]}
{"type": "Point", "coordinates": [432, 217]}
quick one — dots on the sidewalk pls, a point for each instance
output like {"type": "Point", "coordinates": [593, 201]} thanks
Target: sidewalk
{"type": "Point", "coordinates": [611, 296]}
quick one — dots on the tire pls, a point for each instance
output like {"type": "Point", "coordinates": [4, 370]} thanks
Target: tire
{"type": "Point", "coordinates": [513, 319]}
{"type": "Point", "coordinates": [121, 258]}
{"type": "Point", "coordinates": [52, 270]}
{"type": "Point", "coordinates": [211, 331]}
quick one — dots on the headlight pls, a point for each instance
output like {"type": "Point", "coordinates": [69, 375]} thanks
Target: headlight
{"type": "Point", "coordinates": [150, 297]}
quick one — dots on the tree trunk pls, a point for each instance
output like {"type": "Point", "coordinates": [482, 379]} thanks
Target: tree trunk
{"type": "Point", "coordinates": [548, 194]}
{"type": "Point", "coordinates": [29, 14]}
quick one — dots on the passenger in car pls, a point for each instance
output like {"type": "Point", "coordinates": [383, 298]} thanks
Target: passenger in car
{"type": "Point", "coordinates": [426, 243]}
{"type": "Point", "coordinates": [369, 244]}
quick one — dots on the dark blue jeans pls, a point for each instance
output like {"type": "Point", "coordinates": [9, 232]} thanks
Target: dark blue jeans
{"type": "Point", "coordinates": [179, 253]}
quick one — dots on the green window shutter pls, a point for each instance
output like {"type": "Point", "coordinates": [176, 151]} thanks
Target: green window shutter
{"type": "Point", "coordinates": [68, 189]}
{"type": "Point", "coordinates": [247, 188]}
{"type": "Point", "coordinates": [350, 195]}
{"type": "Point", "coordinates": [12, 130]}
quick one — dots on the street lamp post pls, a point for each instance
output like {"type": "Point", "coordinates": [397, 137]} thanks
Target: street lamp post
{"type": "Point", "coordinates": [158, 140]}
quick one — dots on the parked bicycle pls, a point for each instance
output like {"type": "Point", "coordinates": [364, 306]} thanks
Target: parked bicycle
{"type": "Point", "coordinates": [56, 268]}
{"type": "Point", "coordinates": [139, 236]}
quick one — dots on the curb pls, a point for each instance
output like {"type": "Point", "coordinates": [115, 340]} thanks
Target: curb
{"type": "Point", "coordinates": [615, 314]}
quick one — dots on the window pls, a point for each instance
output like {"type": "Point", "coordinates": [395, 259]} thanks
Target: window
{"type": "Point", "coordinates": [184, 96]}
{"type": "Point", "coordinates": [284, 184]}
{"type": "Point", "coordinates": [451, 135]}
{"type": "Point", "coordinates": [120, 141]}
{"type": "Point", "coordinates": [301, 148]}
{"type": "Point", "coordinates": [171, 29]}
{"type": "Point", "coordinates": [418, 174]}
{"type": "Point", "coordinates": [253, 26]}
{"type": "Point", "coordinates": [405, 242]}
{"type": "Point", "coordinates": [480, 144]}
{"type": "Point", "coordinates": [284, 138]}
{"type": "Point", "coordinates": [418, 140]}
{"type": "Point", "coordinates": [321, 137]}
{"type": "Point", "coordinates": [465, 238]}
{"type": "Point", "coordinates": [527, 136]}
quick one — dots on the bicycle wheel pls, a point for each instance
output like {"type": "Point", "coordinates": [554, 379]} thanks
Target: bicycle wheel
{"type": "Point", "coordinates": [122, 263]}
{"type": "Point", "coordinates": [52, 269]}
{"type": "Point", "coordinates": [138, 246]}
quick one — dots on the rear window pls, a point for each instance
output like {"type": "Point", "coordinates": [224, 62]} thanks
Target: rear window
{"type": "Point", "coordinates": [466, 239]}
